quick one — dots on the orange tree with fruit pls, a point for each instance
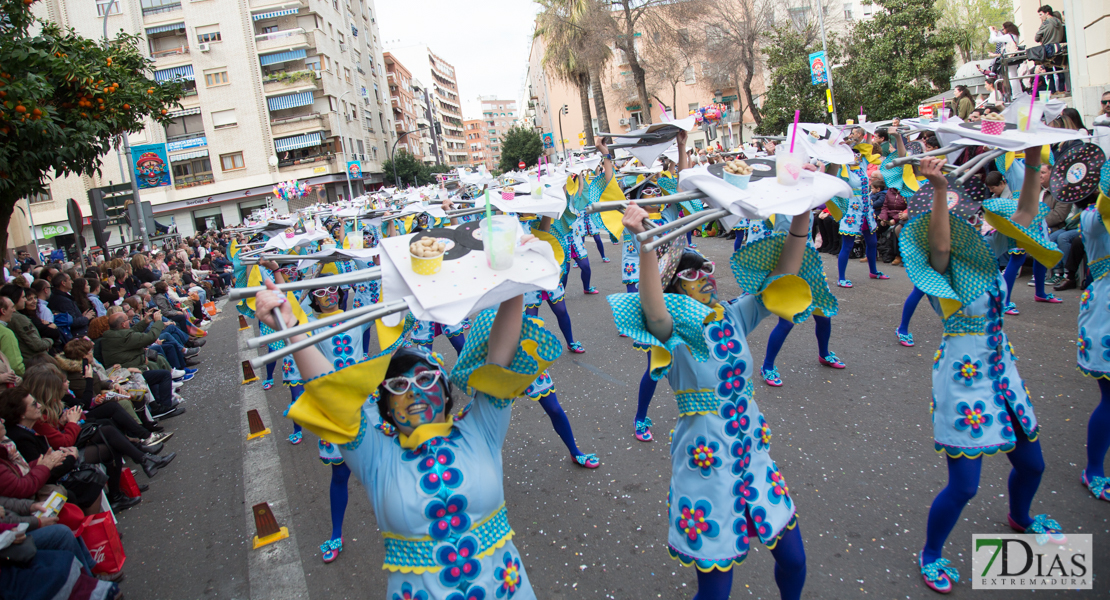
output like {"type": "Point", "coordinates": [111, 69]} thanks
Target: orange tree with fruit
{"type": "Point", "coordinates": [63, 101]}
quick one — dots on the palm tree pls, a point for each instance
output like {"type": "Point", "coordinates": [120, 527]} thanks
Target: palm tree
{"type": "Point", "coordinates": [573, 53]}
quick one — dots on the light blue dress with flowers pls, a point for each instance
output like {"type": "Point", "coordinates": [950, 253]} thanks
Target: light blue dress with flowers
{"type": "Point", "coordinates": [1093, 344]}
{"type": "Point", "coordinates": [857, 212]}
{"type": "Point", "coordinates": [975, 380]}
{"type": "Point", "coordinates": [725, 489]}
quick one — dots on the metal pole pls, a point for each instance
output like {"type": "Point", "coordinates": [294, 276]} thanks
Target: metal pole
{"type": "Point", "coordinates": [34, 235]}
{"type": "Point", "coordinates": [562, 140]}
{"type": "Point", "coordinates": [127, 151]}
{"type": "Point", "coordinates": [828, 63]}
{"type": "Point", "coordinates": [432, 125]}
{"type": "Point", "coordinates": [342, 151]}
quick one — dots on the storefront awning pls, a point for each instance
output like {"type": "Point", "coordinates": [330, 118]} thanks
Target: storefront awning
{"type": "Point", "coordinates": [280, 57]}
{"type": "Point", "coordinates": [289, 101]}
{"type": "Point", "coordinates": [274, 13]}
{"type": "Point", "coordinates": [183, 72]}
{"type": "Point", "coordinates": [299, 141]}
{"type": "Point", "coordinates": [188, 155]}
{"type": "Point", "coordinates": [161, 28]}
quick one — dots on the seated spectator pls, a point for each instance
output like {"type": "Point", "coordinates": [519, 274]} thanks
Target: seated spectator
{"type": "Point", "coordinates": [9, 344]}
{"type": "Point", "coordinates": [1056, 220]}
{"type": "Point", "coordinates": [60, 568]}
{"type": "Point", "coordinates": [94, 296]}
{"type": "Point", "coordinates": [20, 478]}
{"type": "Point", "coordinates": [167, 307]}
{"type": "Point", "coordinates": [30, 342]}
{"type": "Point", "coordinates": [42, 290]}
{"type": "Point", "coordinates": [62, 302]}
{"type": "Point", "coordinates": [142, 271]}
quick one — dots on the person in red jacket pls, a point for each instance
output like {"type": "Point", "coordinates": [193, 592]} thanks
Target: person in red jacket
{"type": "Point", "coordinates": [14, 482]}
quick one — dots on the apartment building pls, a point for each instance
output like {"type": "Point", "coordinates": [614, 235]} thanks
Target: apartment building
{"type": "Point", "coordinates": [276, 90]}
{"type": "Point", "coordinates": [441, 85]}
{"type": "Point", "coordinates": [408, 115]}
{"type": "Point", "coordinates": [499, 116]}
{"type": "Point", "coordinates": [478, 144]}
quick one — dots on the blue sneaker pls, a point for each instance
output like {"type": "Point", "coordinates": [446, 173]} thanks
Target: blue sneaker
{"type": "Point", "coordinates": [188, 376]}
{"type": "Point", "coordinates": [189, 371]}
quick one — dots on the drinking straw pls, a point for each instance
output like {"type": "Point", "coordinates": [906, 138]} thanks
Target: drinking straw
{"type": "Point", "coordinates": [1032, 102]}
{"type": "Point", "coordinates": [489, 219]}
{"type": "Point", "coordinates": [794, 134]}
{"type": "Point", "coordinates": [861, 109]}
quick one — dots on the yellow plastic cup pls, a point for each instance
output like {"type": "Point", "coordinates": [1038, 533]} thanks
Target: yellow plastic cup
{"type": "Point", "coordinates": [426, 266]}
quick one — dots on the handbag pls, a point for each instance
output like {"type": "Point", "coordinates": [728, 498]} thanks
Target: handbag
{"type": "Point", "coordinates": [84, 483]}
{"type": "Point", "coordinates": [19, 555]}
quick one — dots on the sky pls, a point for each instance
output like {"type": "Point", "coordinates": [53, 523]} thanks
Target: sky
{"type": "Point", "coordinates": [487, 41]}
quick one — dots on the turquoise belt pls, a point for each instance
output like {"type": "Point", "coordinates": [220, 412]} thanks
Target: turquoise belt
{"type": "Point", "coordinates": [965, 325]}
{"type": "Point", "coordinates": [419, 555]}
{"type": "Point", "coordinates": [704, 401]}
{"type": "Point", "coordinates": [1099, 268]}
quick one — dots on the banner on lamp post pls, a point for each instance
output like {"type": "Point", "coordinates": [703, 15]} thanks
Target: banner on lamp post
{"type": "Point", "coordinates": [151, 165]}
{"type": "Point", "coordinates": [817, 68]}
{"type": "Point", "coordinates": [354, 170]}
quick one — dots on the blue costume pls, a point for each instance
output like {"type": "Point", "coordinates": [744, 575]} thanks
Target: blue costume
{"type": "Point", "coordinates": [1093, 344]}
{"type": "Point", "coordinates": [438, 494]}
{"type": "Point", "coordinates": [857, 218]}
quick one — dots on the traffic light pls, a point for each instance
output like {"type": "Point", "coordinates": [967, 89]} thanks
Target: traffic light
{"type": "Point", "coordinates": [439, 128]}
{"type": "Point", "coordinates": [581, 138]}
{"type": "Point", "coordinates": [109, 207]}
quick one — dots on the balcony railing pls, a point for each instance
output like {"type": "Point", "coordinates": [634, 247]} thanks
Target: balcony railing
{"type": "Point", "coordinates": [305, 160]}
{"type": "Point", "coordinates": [165, 8]}
{"type": "Point", "coordinates": [296, 119]}
{"type": "Point", "coordinates": [170, 52]}
{"type": "Point", "coordinates": [189, 181]}
{"type": "Point", "coordinates": [277, 35]}
{"type": "Point", "coordinates": [184, 136]}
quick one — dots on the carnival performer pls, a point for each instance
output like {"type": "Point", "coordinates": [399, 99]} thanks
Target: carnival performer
{"type": "Point", "coordinates": [1093, 344]}
{"type": "Point", "coordinates": [980, 404]}
{"type": "Point", "coordinates": [556, 299]}
{"type": "Point", "coordinates": [724, 486]}
{"type": "Point", "coordinates": [857, 219]}
{"type": "Point", "coordinates": [826, 306]}
{"type": "Point", "coordinates": [435, 480]}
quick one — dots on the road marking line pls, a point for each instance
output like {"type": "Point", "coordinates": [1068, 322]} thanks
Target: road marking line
{"type": "Point", "coordinates": [275, 571]}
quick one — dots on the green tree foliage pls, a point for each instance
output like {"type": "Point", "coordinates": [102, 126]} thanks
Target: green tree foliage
{"type": "Point", "coordinates": [411, 170]}
{"type": "Point", "coordinates": [968, 21]}
{"type": "Point", "coordinates": [519, 144]}
{"type": "Point", "coordinates": [63, 99]}
{"type": "Point", "coordinates": [896, 60]}
{"type": "Point", "coordinates": [791, 85]}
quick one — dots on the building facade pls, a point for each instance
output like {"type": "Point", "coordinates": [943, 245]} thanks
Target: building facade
{"type": "Point", "coordinates": [406, 112]}
{"type": "Point", "coordinates": [478, 144]}
{"type": "Point", "coordinates": [499, 116]}
{"type": "Point", "coordinates": [276, 90]}
{"type": "Point", "coordinates": [442, 96]}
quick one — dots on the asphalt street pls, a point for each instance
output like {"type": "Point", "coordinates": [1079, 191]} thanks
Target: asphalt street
{"type": "Point", "coordinates": [854, 445]}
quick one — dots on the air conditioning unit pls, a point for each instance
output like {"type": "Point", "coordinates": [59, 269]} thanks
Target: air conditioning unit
{"type": "Point", "coordinates": [624, 121]}
{"type": "Point", "coordinates": [204, 47]}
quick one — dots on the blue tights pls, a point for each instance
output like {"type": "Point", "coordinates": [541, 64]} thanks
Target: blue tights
{"type": "Point", "coordinates": [647, 390]}
{"type": "Point", "coordinates": [600, 246]}
{"type": "Point", "coordinates": [583, 264]}
{"type": "Point", "coordinates": [741, 235]}
{"type": "Point", "coordinates": [908, 308]}
{"type": "Point", "coordinates": [631, 288]}
{"type": "Point", "coordinates": [790, 571]}
{"type": "Point", "coordinates": [1098, 432]}
{"type": "Point", "coordinates": [1014, 267]}
{"type": "Point", "coordinates": [561, 316]}
{"type": "Point", "coordinates": [559, 421]}
{"type": "Point", "coordinates": [270, 370]}
{"type": "Point", "coordinates": [847, 242]}
{"type": "Point", "coordinates": [295, 391]}
{"type": "Point", "coordinates": [457, 342]}
{"type": "Point", "coordinates": [963, 483]}
{"type": "Point", "coordinates": [779, 333]}
{"type": "Point", "coordinates": [340, 474]}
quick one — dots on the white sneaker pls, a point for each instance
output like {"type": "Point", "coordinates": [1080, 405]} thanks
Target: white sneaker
{"type": "Point", "coordinates": [178, 384]}
{"type": "Point", "coordinates": [205, 324]}
{"type": "Point", "coordinates": [177, 373]}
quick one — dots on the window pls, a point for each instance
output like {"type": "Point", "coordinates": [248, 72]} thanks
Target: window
{"type": "Point", "coordinates": [848, 11]}
{"type": "Point", "coordinates": [312, 63]}
{"type": "Point", "coordinates": [693, 106]}
{"type": "Point", "coordinates": [231, 162]}
{"type": "Point", "coordinates": [799, 17]}
{"type": "Point", "coordinates": [689, 75]}
{"type": "Point", "coordinates": [361, 148]}
{"type": "Point", "coordinates": [208, 34]}
{"type": "Point", "coordinates": [868, 9]}
{"type": "Point", "coordinates": [102, 6]}
{"type": "Point", "coordinates": [188, 126]}
{"type": "Point", "coordinates": [40, 197]}
{"type": "Point", "coordinates": [347, 74]}
{"type": "Point", "coordinates": [151, 7]}
{"type": "Point", "coordinates": [224, 118]}
{"type": "Point", "coordinates": [635, 118]}
{"type": "Point", "coordinates": [191, 168]}
{"type": "Point", "coordinates": [331, 104]}
{"type": "Point", "coordinates": [269, 29]}
{"type": "Point", "coordinates": [214, 78]}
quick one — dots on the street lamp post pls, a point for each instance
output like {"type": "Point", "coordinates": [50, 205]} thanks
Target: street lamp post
{"type": "Point", "coordinates": [343, 154]}
{"type": "Point", "coordinates": [562, 140]}
{"type": "Point", "coordinates": [393, 148]}
{"type": "Point", "coordinates": [126, 150]}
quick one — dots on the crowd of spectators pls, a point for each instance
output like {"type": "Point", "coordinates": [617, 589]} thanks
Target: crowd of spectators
{"type": "Point", "coordinates": [92, 361]}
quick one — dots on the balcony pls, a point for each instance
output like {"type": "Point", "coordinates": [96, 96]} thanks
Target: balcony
{"type": "Point", "coordinates": [291, 81]}
{"type": "Point", "coordinates": [158, 10]}
{"type": "Point", "coordinates": [390, 78]}
{"type": "Point", "coordinates": [188, 181]}
{"type": "Point", "coordinates": [320, 159]}
{"type": "Point", "coordinates": [286, 39]}
{"type": "Point", "coordinates": [293, 125]}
